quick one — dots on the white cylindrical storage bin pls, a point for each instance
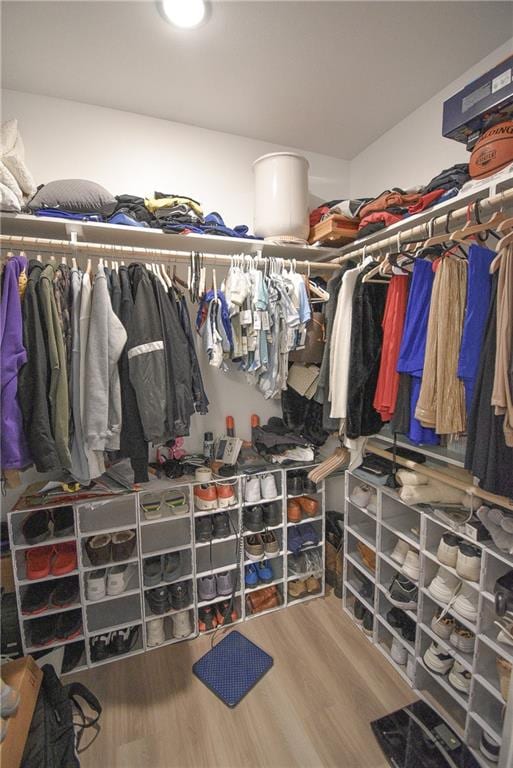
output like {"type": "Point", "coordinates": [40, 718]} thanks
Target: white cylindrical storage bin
{"type": "Point", "coordinates": [281, 195]}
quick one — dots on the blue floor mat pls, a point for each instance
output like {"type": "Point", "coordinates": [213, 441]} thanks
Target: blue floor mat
{"type": "Point", "coordinates": [232, 668]}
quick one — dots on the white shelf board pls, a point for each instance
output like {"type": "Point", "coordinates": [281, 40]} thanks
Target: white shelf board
{"type": "Point", "coordinates": [280, 607]}
{"type": "Point", "coordinates": [171, 641]}
{"type": "Point", "coordinates": [148, 616]}
{"type": "Point", "coordinates": [393, 525]}
{"type": "Point", "coordinates": [163, 519]}
{"type": "Point", "coordinates": [116, 657]}
{"type": "Point", "coordinates": [262, 530]}
{"type": "Point", "coordinates": [502, 649]}
{"type": "Point", "coordinates": [108, 598]}
{"type": "Point", "coordinates": [262, 502]}
{"type": "Point", "coordinates": [50, 542]}
{"type": "Point", "coordinates": [492, 690]}
{"type": "Point", "coordinates": [262, 585]}
{"type": "Point", "coordinates": [304, 599]}
{"type": "Point", "coordinates": [361, 537]}
{"type": "Point", "coordinates": [220, 569]}
{"type": "Point", "coordinates": [218, 599]}
{"type": "Point", "coordinates": [51, 577]}
{"type": "Point", "coordinates": [220, 627]}
{"type": "Point", "coordinates": [305, 520]}
{"type": "Point", "coordinates": [54, 644]}
{"type": "Point", "coordinates": [305, 549]}
{"type": "Point", "coordinates": [49, 612]}
{"type": "Point", "coordinates": [110, 564]}
{"type": "Point", "coordinates": [216, 511]}
{"type": "Point", "coordinates": [108, 529]}
{"type": "Point", "coordinates": [365, 511]}
{"type": "Point", "coordinates": [485, 726]}
{"type": "Point", "coordinates": [166, 551]}
{"type": "Point", "coordinates": [180, 577]}
{"type": "Point", "coordinates": [213, 542]}
{"type": "Point", "coordinates": [317, 572]}
{"type": "Point", "coordinates": [114, 627]}
{"type": "Point", "coordinates": [264, 557]}
{"type": "Point", "coordinates": [361, 567]}
{"type": "Point", "coordinates": [148, 237]}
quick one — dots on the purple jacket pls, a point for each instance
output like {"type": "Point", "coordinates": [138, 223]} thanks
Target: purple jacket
{"type": "Point", "coordinates": [15, 453]}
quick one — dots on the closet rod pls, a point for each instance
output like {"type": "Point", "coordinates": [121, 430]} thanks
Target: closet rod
{"type": "Point", "coordinates": [420, 231]}
{"type": "Point", "coordinates": [461, 485]}
{"type": "Point", "coordinates": [143, 254]}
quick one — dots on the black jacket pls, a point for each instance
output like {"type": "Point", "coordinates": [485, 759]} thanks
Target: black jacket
{"type": "Point", "coordinates": [366, 341]}
{"type": "Point", "coordinates": [198, 391]}
{"type": "Point", "coordinates": [33, 380]}
{"type": "Point", "coordinates": [146, 357]}
{"type": "Point", "coordinates": [132, 442]}
{"type": "Point", "coordinates": [180, 405]}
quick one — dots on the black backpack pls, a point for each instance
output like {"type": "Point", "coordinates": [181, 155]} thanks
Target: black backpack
{"type": "Point", "coordinates": [51, 741]}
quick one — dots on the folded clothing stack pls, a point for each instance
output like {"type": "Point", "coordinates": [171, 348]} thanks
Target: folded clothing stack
{"type": "Point", "coordinates": [16, 182]}
{"type": "Point", "coordinates": [419, 489]}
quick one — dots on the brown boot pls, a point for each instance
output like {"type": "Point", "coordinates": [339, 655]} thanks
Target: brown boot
{"type": "Point", "coordinates": [123, 544]}
{"type": "Point", "coordinates": [99, 548]}
{"type": "Point", "coordinates": [296, 588]}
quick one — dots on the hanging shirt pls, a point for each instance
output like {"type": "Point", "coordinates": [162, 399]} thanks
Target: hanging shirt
{"type": "Point", "coordinates": [341, 346]}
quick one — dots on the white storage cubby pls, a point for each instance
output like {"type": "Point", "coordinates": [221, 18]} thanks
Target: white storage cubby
{"type": "Point", "coordinates": [162, 516]}
{"type": "Point", "coordinates": [375, 532]}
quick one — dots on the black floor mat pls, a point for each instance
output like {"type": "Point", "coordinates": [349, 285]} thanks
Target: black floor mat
{"type": "Point", "coordinates": [417, 737]}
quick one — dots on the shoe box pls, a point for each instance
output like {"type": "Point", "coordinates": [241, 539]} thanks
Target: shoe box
{"type": "Point", "coordinates": [25, 677]}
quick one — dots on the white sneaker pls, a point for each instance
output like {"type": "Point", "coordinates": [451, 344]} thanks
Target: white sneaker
{"type": "Point", "coordinates": [252, 490]}
{"type": "Point", "coordinates": [9, 700]}
{"type": "Point", "coordinates": [462, 639]}
{"type": "Point", "coordinates": [268, 487]}
{"type": "Point", "coordinates": [361, 495]}
{"type": "Point", "coordinates": [411, 565]}
{"type": "Point", "coordinates": [448, 549]}
{"type": "Point", "coordinates": [505, 634]}
{"type": "Point", "coordinates": [401, 549]}
{"type": "Point", "coordinates": [438, 660]}
{"type": "Point", "coordinates": [118, 578]}
{"type": "Point", "coordinates": [460, 678]}
{"type": "Point", "coordinates": [466, 603]}
{"type": "Point", "coordinates": [398, 652]}
{"type": "Point", "coordinates": [489, 747]}
{"type": "Point", "coordinates": [443, 626]}
{"type": "Point", "coordinates": [444, 586]}
{"type": "Point", "coordinates": [468, 563]}
{"type": "Point", "coordinates": [372, 506]}
{"type": "Point", "coordinates": [182, 624]}
{"type": "Point", "coordinates": [155, 632]}
{"type": "Point", "coordinates": [410, 667]}
{"type": "Point", "coordinates": [96, 584]}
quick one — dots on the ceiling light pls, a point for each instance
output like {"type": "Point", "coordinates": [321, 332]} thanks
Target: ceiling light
{"type": "Point", "coordinates": [186, 14]}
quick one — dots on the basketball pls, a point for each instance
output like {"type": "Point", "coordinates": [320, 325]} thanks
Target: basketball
{"type": "Point", "coordinates": [493, 151]}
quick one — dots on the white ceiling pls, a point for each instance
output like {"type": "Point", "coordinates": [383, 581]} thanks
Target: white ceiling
{"type": "Point", "coordinates": [329, 77]}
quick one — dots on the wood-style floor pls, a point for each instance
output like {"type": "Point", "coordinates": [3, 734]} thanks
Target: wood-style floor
{"type": "Point", "coordinates": [311, 710]}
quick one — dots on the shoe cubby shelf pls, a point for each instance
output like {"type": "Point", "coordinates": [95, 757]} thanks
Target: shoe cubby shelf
{"type": "Point", "coordinates": [168, 530]}
{"type": "Point", "coordinates": [369, 568]}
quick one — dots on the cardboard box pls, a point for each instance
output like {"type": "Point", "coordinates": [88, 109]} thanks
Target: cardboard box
{"type": "Point", "coordinates": [25, 676]}
{"type": "Point", "coordinates": [467, 113]}
{"type": "Point", "coordinates": [6, 573]}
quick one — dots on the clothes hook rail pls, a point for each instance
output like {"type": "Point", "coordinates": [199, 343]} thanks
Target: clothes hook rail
{"type": "Point", "coordinates": [142, 254]}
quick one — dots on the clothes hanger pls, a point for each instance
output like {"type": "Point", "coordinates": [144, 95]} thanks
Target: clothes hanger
{"type": "Point", "coordinates": [438, 239]}
{"type": "Point", "coordinates": [470, 229]}
{"type": "Point", "coordinates": [63, 259]}
{"type": "Point", "coordinates": [500, 246]}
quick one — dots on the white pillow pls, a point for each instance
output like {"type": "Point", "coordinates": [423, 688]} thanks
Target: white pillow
{"type": "Point", "coordinates": [13, 157]}
{"type": "Point", "coordinates": [8, 180]}
{"type": "Point", "coordinates": [8, 200]}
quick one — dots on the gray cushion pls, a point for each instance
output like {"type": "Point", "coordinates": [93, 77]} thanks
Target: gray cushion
{"type": "Point", "coordinates": [72, 195]}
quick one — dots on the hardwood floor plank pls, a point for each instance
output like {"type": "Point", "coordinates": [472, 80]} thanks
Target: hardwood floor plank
{"type": "Point", "coordinates": [312, 710]}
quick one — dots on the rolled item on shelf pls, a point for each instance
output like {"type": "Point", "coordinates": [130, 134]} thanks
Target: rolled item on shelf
{"type": "Point", "coordinates": [405, 477]}
{"type": "Point", "coordinates": [443, 476]}
{"type": "Point", "coordinates": [433, 491]}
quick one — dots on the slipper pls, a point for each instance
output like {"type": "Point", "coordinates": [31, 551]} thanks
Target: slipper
{"type": "Point", "coordinates": [64, 559]}
{"type": "Point", "coordinates": [38, 562]}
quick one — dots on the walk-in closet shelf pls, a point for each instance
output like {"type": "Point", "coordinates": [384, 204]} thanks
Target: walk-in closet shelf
{"type": "Point", "coordinates": [172, 532]}
{"type": "Point", "coordinates": [379, 528]}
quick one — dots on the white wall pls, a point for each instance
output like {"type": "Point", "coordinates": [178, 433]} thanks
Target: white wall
{"type": "Point", "coordinates": [414, 150]}
{"type": "Point", "coordinates": [136, 154]}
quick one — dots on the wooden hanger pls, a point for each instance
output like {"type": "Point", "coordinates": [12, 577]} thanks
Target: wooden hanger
{"type": "Point", "coordinates": [469, 229]}
{"type": "Point", "coordinates": [438, 239]}
{"type": "Point", "coordinates": [501, 245]}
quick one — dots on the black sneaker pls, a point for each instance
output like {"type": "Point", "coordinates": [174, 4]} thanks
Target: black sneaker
{"type": "Point", "coordinates": [366, 589]}
{"type": "Point", "coordinates": [65, 593]}
{"type": "Point", "coordinates": [221, 525]}
{"type": "Point", "coordinates": [179, 595]}
{"type": "Point", "coordinates": [403, 593]}
{"type": "Point", "coordinates": [408, 629]}
{"type": "Point", "coordinates": [158, 600]}
{"type": "Point", "coordinates": [69, 625]}
{"type": "Point", "coordinates": [272, 514]}
{"type": "Point", "coordinates": [396, 617]}
{"type": "Point", "coordinates": [254, 518]}
{"type": "Point", "coordinates": [36, 527]}
{"type": "Point", "coordinates": [100, 647]}
{"type": "Point", "coordinates": [36, 597]}
{"type": "Point", "coordinates": [63, 522]}
{"type": "Point", "coordinates": [359, 611]}
{"type": "Point", "coordinates": [368, 621]}
{"type": "Point", "coordinates": [203, 527]}
{"type": "Point", "coordinates": [295, 486]}
{"type": "Point", "coordinates": [309, 486]}
{"type": "Point", "coordinates": [42, 631]}
{"type": "Point", "coordinates": [123, 640]}
{"type": "Point", "coordinates": [72, 655]}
